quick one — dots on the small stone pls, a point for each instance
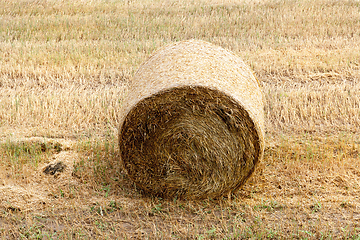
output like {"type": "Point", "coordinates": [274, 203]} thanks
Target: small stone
{"type": "Point", "coordinates": [54, 168]}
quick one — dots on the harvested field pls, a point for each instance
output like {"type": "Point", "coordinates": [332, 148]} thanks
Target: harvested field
{"type": "Point", "coordinates": [68, 66]}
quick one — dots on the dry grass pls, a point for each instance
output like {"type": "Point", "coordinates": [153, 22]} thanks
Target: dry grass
{"type": "Point", "coordinates": [64, 72]}
{"type": "Point", "coordinates": [305, 188]}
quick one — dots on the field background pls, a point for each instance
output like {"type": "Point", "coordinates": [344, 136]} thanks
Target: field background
{"type": "Point", "coordinates": [64, 70]}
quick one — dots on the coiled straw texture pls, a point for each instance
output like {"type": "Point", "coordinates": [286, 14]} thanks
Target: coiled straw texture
{"type": "Point", "coordinates": [192, 125]}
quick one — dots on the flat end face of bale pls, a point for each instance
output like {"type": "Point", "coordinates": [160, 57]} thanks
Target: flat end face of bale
{"type": "Point", "coordinates": [189, 142]}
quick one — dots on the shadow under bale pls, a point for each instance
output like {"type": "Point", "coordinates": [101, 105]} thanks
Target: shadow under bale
{"type": "Point", "coordinates": [191, 140]}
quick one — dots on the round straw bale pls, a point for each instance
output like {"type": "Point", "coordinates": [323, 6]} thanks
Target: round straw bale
{"type": "Point", "coordinates": [192, 125]}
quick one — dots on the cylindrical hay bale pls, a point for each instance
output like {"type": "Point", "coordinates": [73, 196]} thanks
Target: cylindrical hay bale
{"type": "Point", "coordinates": [192, 125]}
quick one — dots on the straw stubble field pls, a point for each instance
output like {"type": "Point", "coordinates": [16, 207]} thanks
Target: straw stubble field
{"type": "Point", "coordinates": [65, 71]}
